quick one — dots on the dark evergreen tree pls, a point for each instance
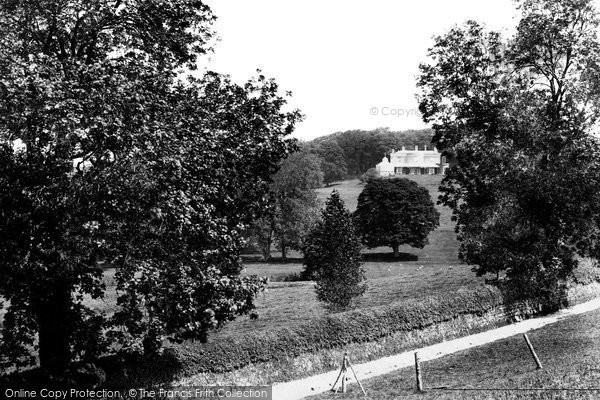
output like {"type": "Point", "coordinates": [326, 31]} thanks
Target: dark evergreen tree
{"type": "Point", "coordinates": [332, 257]}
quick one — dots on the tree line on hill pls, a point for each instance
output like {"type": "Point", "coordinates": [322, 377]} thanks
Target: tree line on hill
{"type": "Point", "coordinates": [349, 154]}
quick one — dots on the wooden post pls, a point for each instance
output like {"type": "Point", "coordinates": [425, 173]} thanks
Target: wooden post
{"type": "Point", "coordinates": [344, 367]}
{"type": "Point", "coordinates": [357, 380]}
{"type": "Point", "coordinates": [343, 371]}
{"type": "Point", "coordinates": [333, 388]}
{"type": "Point", "coordinates": [535, 357]}
{"type": "Point", "coordinates": [418, 373]}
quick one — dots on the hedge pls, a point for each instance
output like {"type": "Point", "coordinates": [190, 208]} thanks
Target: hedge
{"type": "Point", "coordinates": [337, 330]}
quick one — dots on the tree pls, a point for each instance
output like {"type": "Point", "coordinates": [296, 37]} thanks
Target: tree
{"type": "Point", "coordinates": [294, 206]}
{"type": "Point", "coordinates": [370, 174]}
{"type": "Point", "coordinates": [333, 163]}
{"type": "Point", "coordinates": [108, 153]}
{"type": "Point", "coordinates": [393, 212]}
{"type": "Point", "coordinates": [364, 149]}
{"type": "Point", "coordinates": [520, 116]}
{"type": "Point", "coordinates": [332, 256]}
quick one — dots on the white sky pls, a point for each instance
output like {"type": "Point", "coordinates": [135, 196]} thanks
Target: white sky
{"type": "Point", "coordinates": [341, 58]}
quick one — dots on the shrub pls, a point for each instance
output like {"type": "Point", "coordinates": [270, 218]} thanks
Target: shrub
{"type": "Point", "coordinates": [367, 176]}
{"type": "Point", "coordinates": [341, 329]}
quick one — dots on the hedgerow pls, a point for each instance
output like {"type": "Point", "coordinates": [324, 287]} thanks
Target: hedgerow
{"type": "Point", "coordinates": [337, 330]}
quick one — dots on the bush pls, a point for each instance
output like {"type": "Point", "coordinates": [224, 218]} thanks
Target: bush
{"type": "Point", "coordinates": [338, 330]}
{"type": "Point", "coordinates": [367, 176]}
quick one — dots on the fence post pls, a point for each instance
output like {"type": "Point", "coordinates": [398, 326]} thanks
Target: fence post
{"type": "Point", "coordinates": [418, 373]}
{"type": "Point", "coordinates": [344, 368]}
{"type": "Point", "coordinates": [535, 357]}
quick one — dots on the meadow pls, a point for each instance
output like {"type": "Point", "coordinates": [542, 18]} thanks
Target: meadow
{"type": "Point", "coordinates": [418, 273]}
{"type": "Point", "coordinates": [435, 269]}
{"type": "Point", "coordinates": [569, 351]}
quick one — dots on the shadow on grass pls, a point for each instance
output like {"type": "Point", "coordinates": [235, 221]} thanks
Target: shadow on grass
{"type": "Point", "coordinates": [387, 257]}
{"type": "Point", "coordinates": [110, 372]}
{"type": "Point", "coordinates": [374, 257]}
{"type": "Point", "coordinates": [258, 259]}
{"type": "Point", "coordinates": [143, 371]}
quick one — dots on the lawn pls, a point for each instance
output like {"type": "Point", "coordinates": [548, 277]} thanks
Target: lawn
{"type": "Point", "coordinates": [435, 269]}
{"type": "Point", "coordinates": [569, 351]}
{"type": "Point", "coordinates": [287, 303]}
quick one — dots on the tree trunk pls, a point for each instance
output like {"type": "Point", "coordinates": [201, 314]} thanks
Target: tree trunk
{"type": "Point", "coordinates": [53, 307]}
{"type": "Point", "coordinates": [266, 250]}
{"type": "Point", "coordinates": [396, 252]}
{"type": "Point", "coordinates": [283, 251]}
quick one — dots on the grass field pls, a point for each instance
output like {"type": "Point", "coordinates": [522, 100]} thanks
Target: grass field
{"type": "Point", "coordinates": [420, 272]}
{"type": "Point", "coordinates": [435, 269]}
{"type": "Point", "coordinates": [569, 351]}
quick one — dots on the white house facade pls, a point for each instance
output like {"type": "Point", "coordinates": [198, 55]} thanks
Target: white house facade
{"type": "Point", "coordinates": [413, 162]}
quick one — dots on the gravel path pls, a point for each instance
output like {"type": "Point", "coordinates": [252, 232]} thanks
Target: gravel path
{"type": "Point", "coordinates": [321, 383]}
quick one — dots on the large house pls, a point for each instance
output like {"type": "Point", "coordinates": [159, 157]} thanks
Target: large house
{"type": "Point", "coordinates": [413, 162]}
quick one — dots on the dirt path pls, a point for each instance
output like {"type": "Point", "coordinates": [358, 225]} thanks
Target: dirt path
{"type": "Point", "coordinates": [321, 383]}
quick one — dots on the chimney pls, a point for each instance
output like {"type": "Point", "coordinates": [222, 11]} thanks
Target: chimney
{"type": "Point", "coordinates": [403, 148]}
{"type": "Point", "coordinates": [425, 147]}
{"type": "Point", "coordinates": [416, 148]}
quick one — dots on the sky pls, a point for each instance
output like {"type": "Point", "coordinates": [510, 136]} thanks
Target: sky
{"type": "Point", "coordinates": [349, 64]}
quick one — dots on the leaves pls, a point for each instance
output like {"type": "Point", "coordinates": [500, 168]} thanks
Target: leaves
{"type": "Point", "coordinates": [332, 257]}
{"type": "Point", "coordinates": [393, 212]}
{"type": "Point", "coordinates": [519, 119]}
{"type": "Point", "coordinates": [125, 162]}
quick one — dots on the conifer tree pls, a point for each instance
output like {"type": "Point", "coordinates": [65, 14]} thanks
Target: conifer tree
{"type": "Point", "coordinates": [332, 257]}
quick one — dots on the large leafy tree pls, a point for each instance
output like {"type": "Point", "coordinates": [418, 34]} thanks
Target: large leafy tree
{"type": "Point", "coordinates": [332, 257]}
{"type": "Point", "coordinates": [520, 116]}
{"type": "Point", "coordinates": [293, 207]}
{"type": "Point", "coordinates": [393, 212]}
{"type": "Point", "coordinates": [107, 153]}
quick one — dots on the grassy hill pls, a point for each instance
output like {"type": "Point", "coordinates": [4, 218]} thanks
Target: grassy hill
{"type": "Point", "coordinates": [435, 269]}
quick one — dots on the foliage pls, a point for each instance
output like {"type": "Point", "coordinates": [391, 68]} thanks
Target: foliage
{"type": "Point", "coordinates": [364, 149]}
{"type": "Point", "coordinates": [294, 206]}
{"type": "Point", "coordinates": [108, 153]}
{"type": "Point", "coordinates": [333, 162]}
{"type": "Point", "coordinates": [332, 256]}
{"type": "Point", "coordinates": [342, 329]}
{"type": "Point", "coordinates": [520, 116]}
{"type": "Point", "coordinates": [393, 212]}
{"type": "Point", "coordinates": [370, 174]}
